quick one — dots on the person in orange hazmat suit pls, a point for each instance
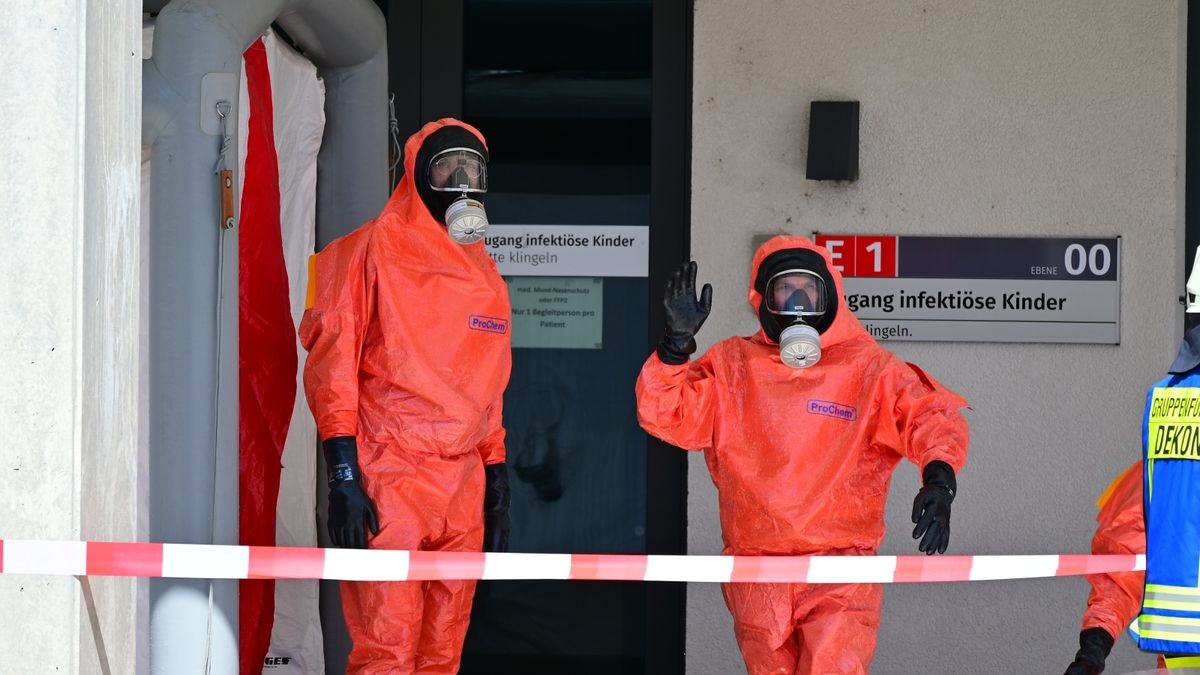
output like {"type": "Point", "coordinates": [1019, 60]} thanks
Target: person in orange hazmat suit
{"type": "Point", "coordinates": [801, 426]}
{"type": "Point", "coordinates": [409, 353]}
{"type": "Point", "coordinates": [1116, 598]}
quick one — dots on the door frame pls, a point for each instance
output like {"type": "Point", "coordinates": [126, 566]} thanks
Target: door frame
{"type": "Point", "coordinates": [427, 57]}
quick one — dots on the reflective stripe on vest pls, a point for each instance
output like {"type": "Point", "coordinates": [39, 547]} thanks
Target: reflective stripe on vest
{"type": "Point", "coordinates": [1177, 598]}
{"type": "Point", "coordinates": [1175, 628]}
{"type": "Point", "coordinates": [1180, 662]}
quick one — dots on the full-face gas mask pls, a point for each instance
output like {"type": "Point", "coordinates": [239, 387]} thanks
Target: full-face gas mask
{"type": "Point", "coordinates": [797, 297]}
{"type": "Point", "coordinates": [461, 172]}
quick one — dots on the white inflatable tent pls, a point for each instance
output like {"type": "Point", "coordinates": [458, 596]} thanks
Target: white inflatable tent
{"type": "Point", "coordinates": [191, 269]}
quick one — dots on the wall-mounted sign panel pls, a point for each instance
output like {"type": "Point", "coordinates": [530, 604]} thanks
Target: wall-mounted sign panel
{"type": "Point", "coordinates": [557, 312]}
{"type": "Point", "coordinates": [982, 289]}
{"type": "Point", "coordinates": [570, 250]}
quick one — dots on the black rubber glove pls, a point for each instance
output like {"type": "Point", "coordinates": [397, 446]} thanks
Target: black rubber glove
{"type": "Point", "coordinates": [1094, 646]}
{"type": "Point", "coordinates": [931, 508]}
{"type": "Point", "coordinates": [685, 315]}
{"type": "Point", "coordinates": [496, 498]}
{"type": "Point", "coordinates": [349, 505]}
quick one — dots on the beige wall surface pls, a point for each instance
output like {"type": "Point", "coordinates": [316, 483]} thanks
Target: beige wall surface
{"type": "Point", "coordinates": [1020, 118]}
{"type": "Point", "coordinates": [70, 127]}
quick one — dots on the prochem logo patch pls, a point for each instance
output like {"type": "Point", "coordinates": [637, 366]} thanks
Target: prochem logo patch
{"type": "Point", "coordinates": [832, 409]}
{"type": "Point", "coordinates": [489, 324]}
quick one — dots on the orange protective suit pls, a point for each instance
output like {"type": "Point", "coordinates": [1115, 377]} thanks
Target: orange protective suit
{"type": "Point", "coordinates": [1116, 598]}
{"type": "Point", "coordinates": [802, 459]}
{"type": "Point", "coordinates": [409, 351]}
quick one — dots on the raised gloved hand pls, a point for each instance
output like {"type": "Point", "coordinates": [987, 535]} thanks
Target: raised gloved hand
{"type": "Point", "coordinates": [1094, 646]}
{"type": "Point", "coordinates": [496, 498]}
{"type": "Point", "coordinates": [685, 314]}
{"type": "Point", "coordinates": [349, 505]}
{"type": "Point", "coordinates": [931, 508]}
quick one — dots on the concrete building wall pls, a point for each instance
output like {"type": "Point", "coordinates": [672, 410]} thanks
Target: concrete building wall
{"type": "Point", "coordinates": [1021, 118]}
{"type": "Point", "coordinates": [69, 143]}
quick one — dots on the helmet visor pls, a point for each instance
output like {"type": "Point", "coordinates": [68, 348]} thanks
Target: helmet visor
{"type": "Point", "coordinates": [458, 170]}
{"type": "Point", "coordinates": [799, 293]}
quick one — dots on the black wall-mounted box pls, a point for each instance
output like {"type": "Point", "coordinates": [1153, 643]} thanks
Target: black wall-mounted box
{"type": "Point", "coordinates": [833, 140]}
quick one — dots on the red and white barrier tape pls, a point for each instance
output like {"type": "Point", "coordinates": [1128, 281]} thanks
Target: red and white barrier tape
{"type": "Point", "coordinates": [189, 561]}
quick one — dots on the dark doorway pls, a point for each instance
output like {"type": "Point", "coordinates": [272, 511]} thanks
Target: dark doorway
{"type": "Point", "coordinates": [586, 107]}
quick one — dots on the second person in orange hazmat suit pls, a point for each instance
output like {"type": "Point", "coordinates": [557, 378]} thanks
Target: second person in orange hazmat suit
{"type": "Point", "coordinates": [409, 354]}
{"type": "Point", "coordinates": [1116, 598]}
{"type": "Point", "coordinates": [802, 425]}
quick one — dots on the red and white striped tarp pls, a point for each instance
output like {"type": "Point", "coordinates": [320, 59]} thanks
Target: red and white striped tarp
{"type": "Point", "coordinates": [78, 558]}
